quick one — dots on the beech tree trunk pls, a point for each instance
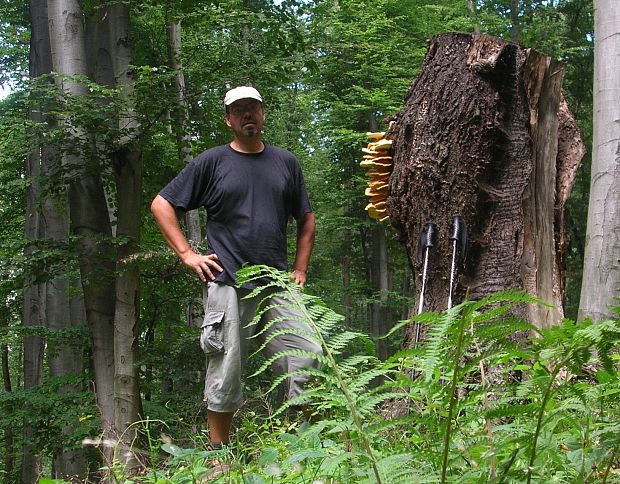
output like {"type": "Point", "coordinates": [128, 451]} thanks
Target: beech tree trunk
{"type": "Point", "coordinates": [380, 314]}
{"type": "Point", "coordinates": [128, 168]}
{"type": "Point", "coordinates": [66, 358]}
{"type": "Point", "coordinates": [34, 290]}
{"type": "Point", "coordinates": [180, 115]}
{"type": "Point", "coordinates": [478, 137]}
{"type": "Point", "coordinates": [88, 211]}
{"type": "Point", "coordinates": [601, 271]}
{"type": "Point", "coordinates": [8, 460]}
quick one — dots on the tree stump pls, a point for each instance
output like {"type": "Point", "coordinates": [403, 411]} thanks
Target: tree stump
{"type": "Point", "coordinates": [482, 135]}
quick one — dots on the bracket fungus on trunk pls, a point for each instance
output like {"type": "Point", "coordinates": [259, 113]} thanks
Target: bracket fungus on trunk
{"type": "Point", "coordinates": [377, 159]}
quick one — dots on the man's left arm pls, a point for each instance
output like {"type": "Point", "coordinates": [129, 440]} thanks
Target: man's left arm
{"type": "Point", "coordinates": [305, 243]}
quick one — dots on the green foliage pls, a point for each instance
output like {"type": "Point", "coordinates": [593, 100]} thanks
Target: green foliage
{"type": "Point", "coordinates": [486, 398]}
{"type": "Point", "coordinates": [329, 70]}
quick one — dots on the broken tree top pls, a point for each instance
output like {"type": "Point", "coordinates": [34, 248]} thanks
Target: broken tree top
{"type": "Point", "coordinates": [479, 136]}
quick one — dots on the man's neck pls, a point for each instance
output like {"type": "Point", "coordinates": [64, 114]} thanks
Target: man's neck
{"type": "Point", "coordinates": [250, 146]}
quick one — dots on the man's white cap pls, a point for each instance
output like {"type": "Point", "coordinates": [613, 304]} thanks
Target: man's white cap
{"type": "Point", "coordinates": [241, 92]}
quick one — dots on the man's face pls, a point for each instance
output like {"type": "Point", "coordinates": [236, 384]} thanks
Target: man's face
{"type": "Point", "coordinates": [245, 118]}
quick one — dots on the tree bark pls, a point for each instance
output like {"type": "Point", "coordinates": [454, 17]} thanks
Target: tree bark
{"type": "Point", "coordinates": [380, 314]}
{"type": "Point", "coordinates": [9, 452]}
{"type": "Point", "coordinates": [128, 169]}
{"type": "Point", "coordinates": [471, 7]}
{"type": "Point", "coordinates": [478, 137]}
{"type": "Point", "coordinates": [88, 211]}
{"type": "Point", "coordinates": [34, 291]}
{"type": "Point", "coordinates": [515, 27]}
{"type": "Point", "coordinates": [346, 278]}
{"type": "Point", "coordinates": [601, 271]}
{"type": "Point", "coordinates": [66, 360]}
{"type": "Point", "coordinates": [67, 357]}
{"type": "Point", "coordinates": [180, 115]}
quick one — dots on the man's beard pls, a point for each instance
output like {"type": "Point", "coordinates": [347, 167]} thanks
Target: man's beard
{"type": "Point", "coordinates": [250, 131]}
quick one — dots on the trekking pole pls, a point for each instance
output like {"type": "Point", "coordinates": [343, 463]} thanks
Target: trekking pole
{"type": "Point", "coordinates": [459, 251]}
{"type": "Point", "coordinates": [427, 240]}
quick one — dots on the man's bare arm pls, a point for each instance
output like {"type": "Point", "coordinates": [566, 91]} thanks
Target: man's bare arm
{"type": "Point", "coordinates": [166, 218]}
{"type": "Point", "coordinates": [305, 242]}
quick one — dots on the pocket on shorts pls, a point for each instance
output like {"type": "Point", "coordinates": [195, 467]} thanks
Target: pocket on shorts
{"type": "Point", "coordinates": [212, 333]}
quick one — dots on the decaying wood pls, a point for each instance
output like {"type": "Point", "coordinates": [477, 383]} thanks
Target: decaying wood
{"type": "Point", "coordinates": [483, 135]}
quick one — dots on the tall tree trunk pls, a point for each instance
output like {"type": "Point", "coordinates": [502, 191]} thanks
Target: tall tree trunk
{"type": "Point", "coordinates": [34, 292]}
{"type": "Point", "coordinates": [478, 137]}
{"type": "Point", "coordinates": [471, 7]}
{"type": "Point", "coordinates": [601, 271]}
{"type": "Point", "coordinates": [346, 277]}
{"type": "Point", "coordinates": [180, 115]}
{"type": "Point", "coordinates": [128, 169]}
{"type": "Point", "coordinates": [380, 314]}
{"type": "Point", "coordinates": [66, 361]}
{"type": "Point", "coordinates": [515, 26]}
{"type": "Point", "coordinates": [88, 211]}
{"type": "Point", "coordinates": [9, 453]}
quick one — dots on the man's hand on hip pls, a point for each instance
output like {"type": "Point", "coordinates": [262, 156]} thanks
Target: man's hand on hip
{"type": "Point", "coordinates": [202, 264]}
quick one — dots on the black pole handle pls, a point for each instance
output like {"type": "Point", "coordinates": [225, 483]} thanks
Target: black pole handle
{"type": "Point", "coordinates": [427, 240]}
{"type": "Point", "coordinates": [459, 235]}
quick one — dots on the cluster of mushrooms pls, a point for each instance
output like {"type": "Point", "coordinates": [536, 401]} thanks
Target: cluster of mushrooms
{"type": "Point", "coordinates": [378, 160]}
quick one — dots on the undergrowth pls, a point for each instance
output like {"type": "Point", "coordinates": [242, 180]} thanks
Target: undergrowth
{"type": "Point", "coordinates": [486, 398]}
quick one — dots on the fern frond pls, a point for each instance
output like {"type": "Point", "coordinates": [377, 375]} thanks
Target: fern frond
{"type": "Point", "coordinates": [396, 468]}
{"type": "Point", "coordinates": [502, 328]}
{"type": "Point", "coordinates": [352, 363]}
{"type": "Point", "coordinates": [511, 410]}
{"type": "Point", "coordinates": [309, 335]}
{"type": "Point", "coordinates": [435, 348]}
{"type": "Point", "coordinates": [367, 405]}
{"type": "Point", "coordinates": [344, 388]}
{"type": "Point", "coordinates": [509, 296]}
{"type": "Point", "coordinates": [309, 372]}
{"type": "Point", "coordinates": [362, 381]}
{"type": "Point", "coordinates": [290, 352]}
{"type": "Point", "coordinates": [340, 341]}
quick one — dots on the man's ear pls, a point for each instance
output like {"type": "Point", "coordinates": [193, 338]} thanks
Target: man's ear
{"type": "Point", "coordinates": [226, 120]}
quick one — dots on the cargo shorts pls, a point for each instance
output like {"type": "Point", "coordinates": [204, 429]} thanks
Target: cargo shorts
{"type": "Point", "coordinates": [225, 335]}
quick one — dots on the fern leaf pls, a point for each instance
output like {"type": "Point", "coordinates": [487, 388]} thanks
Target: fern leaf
{"type": "Point", "coordinates": [291, 352]}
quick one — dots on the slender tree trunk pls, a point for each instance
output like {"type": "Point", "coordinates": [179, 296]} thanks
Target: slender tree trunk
{"type": "Point", "coordinates": [601, 271]}
{"type": "Point", "coordinates": [67, 359]}
{"type": "Point", "coordinates": [346, 278]}
{"type": "Point", "coordinates": [9, 453]}
{"type": "Point", "coordinates": [34, 291]}
{"type": "Point", "coordinates": [471, 7]}
{"type": "Point", "coordinates": [128, 169]}
{"type": "Point", "coordinates": [180, 115]}
{"type": "Point", "coordinates": [88, 210]}
{"type": "Point", "coordinates": [380, 313]}
{"type": "Point", "coordinates": [515, 26]}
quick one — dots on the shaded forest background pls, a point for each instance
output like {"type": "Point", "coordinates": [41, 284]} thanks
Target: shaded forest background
{"type": "Point", "coordinates": [329, 71]}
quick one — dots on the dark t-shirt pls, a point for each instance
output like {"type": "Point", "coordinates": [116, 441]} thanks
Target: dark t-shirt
{"type": "Point", "coordinates": [249, 198]}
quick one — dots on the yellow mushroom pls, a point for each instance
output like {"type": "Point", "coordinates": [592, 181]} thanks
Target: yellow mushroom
{"type": "Point", "coordinates": [376, 162]}
{"type": "Point", "coordinates": [380, 145]}
{"type": "Point", "coordinates": [376, 136]}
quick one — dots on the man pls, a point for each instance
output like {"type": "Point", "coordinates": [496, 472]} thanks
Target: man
{"type": "Point", "coordinates": [250, 190]}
